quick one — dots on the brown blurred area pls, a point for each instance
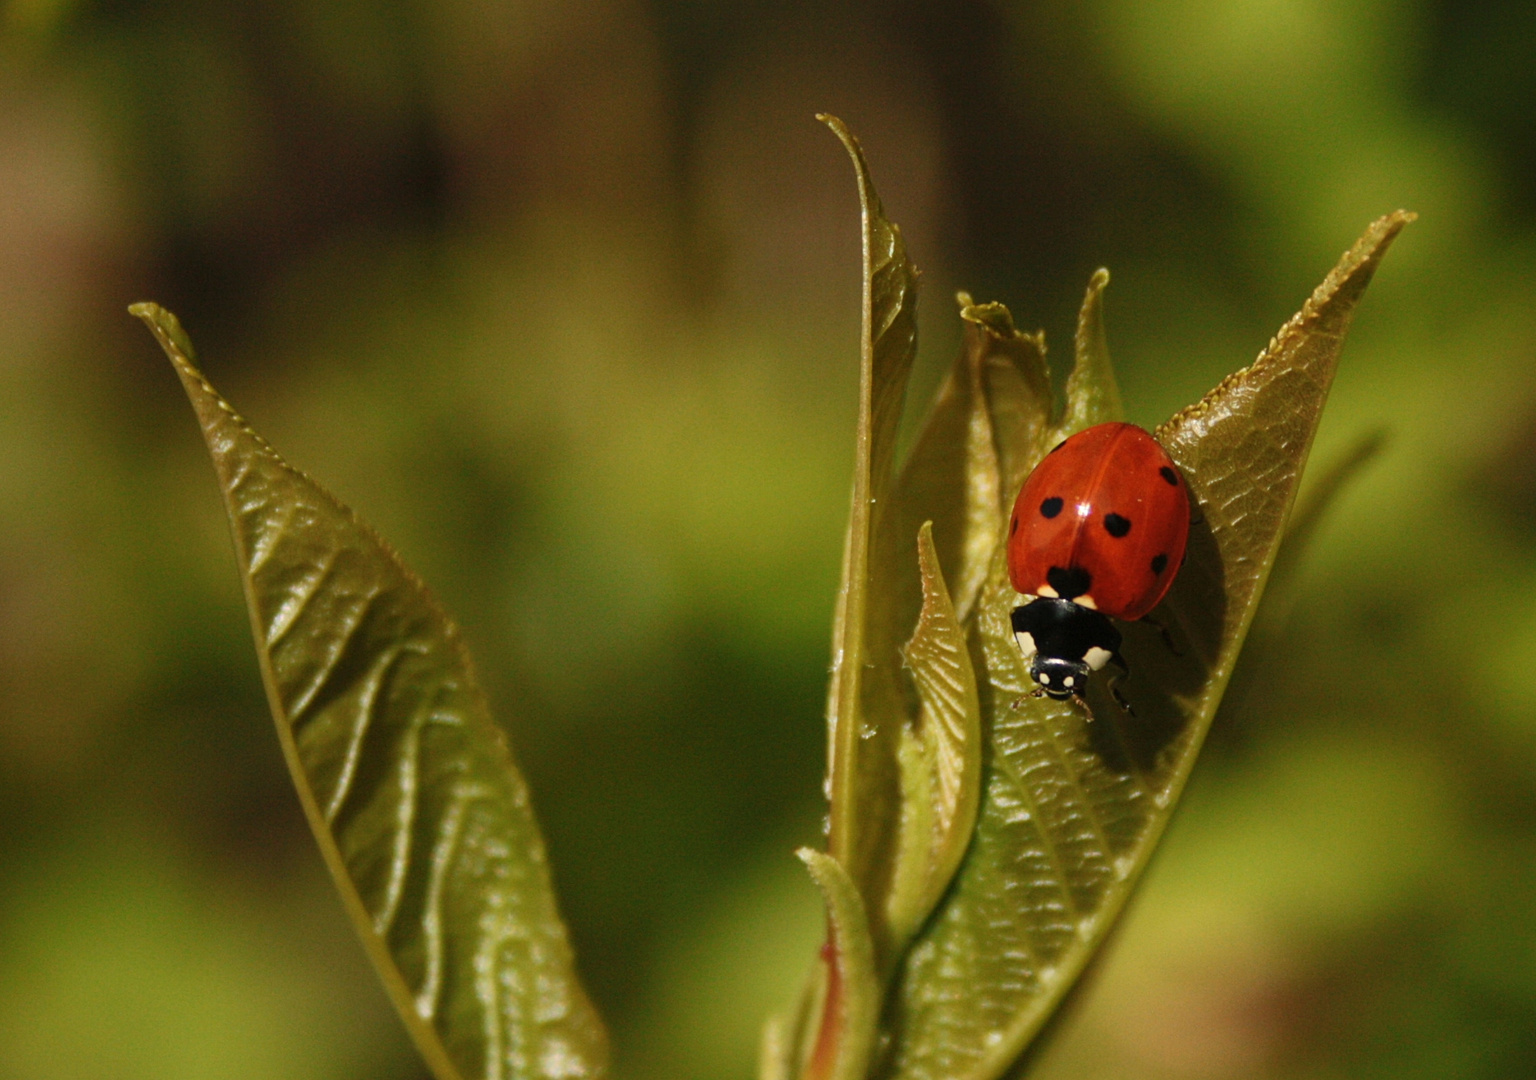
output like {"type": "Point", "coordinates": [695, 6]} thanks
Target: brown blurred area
{"type": "Point", "coordinates": [563, 297]}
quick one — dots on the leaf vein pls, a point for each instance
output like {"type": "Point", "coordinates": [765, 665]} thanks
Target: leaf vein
{"type": "Point", "coordinates": [449, 833]}
{"type": "Point", "coordinates": [367, 709]}
{"type": "Point", "coordinates": [1027, 796]}
{"type": "Point", "coordinates": [405, 817]}
{"type": "Point", "coordinates": [268, 539]}
{"type": "Point", "coordinates": [289, 611]}
{"type": "Point", "coordinates": [346, 626]}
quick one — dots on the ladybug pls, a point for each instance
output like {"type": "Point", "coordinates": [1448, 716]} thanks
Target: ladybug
{"type": "Point", "coordinates": [1098, 532]}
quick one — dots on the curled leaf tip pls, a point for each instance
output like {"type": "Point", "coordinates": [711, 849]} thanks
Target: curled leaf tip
{"type": "Point", "coordinates": [845, 1036]}
{"type": "Point", "coordinates": [166, 327]}
{"type": "Point", "coordinates": [993, 316]}
{"type": "Point", "coordinates": [867, 196]}
{"type": "Point", "coordinates": [847, 138]}
{"type": "Point", "coordinates": [835, 123]}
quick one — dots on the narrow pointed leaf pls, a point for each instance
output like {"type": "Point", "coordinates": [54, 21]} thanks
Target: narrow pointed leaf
{"type": "Point", "coordinates": [863, 697]}
{"type": "Point", "coordinates": [1093, 393]}
{"type": "Point", "coordinates": [941, 758]}
{"type": "Point", "coordinates": [1073, 804]}
{"type": "Point", "coordinates": [850, 1002]}
{"type": "Point", "coordinates": [407, 782]}
{"type": "Point", "coordinates": [880, 776]}
{"type": "Point", "coordinates": [946, 684]}
{"type": "Point", "coordinates": [1016, 386]}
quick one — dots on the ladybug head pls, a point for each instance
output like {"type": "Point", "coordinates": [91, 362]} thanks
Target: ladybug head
{"type": "Point", "coordinates": [1059, 677]}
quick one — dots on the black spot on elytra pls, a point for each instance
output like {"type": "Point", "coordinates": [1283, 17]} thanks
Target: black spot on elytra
{"type": "Point", "coordinates": [1013, 525]}
{"type": "Point", "coordinates": [1159, 563]}
{"type": "Point", "coordinates": [1116, 525]}
{"type": "Point", "coordinates": [1169, 475]}
{"type": "Point", "coordinates": [1051, 507]}
{"type": "Point", "coordinates": [1068, 581]}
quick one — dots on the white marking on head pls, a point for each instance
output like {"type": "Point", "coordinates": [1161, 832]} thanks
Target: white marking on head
{"type": "Point", "coordinates": [1086, 601]}
{"type": "Point", "coordinates": [1068, 680]}
{"type": "Point", "coordinates": [1046, 590]}
{"type": "Point", "coordinates": [1026, 644]}
{"type": "Point", "coordinates": [1096, 657]}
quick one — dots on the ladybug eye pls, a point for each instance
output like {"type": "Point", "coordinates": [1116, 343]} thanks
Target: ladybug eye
{"type": "Point", "coordinates": [1051, 507]}
{"type": "Point", "coordinates": [1116, 525]}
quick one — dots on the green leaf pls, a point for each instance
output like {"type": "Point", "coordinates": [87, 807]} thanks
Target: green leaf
{"type": "Point", "coordinates": [1074, 802]}
{"type": "Point", "coordinates": [1011, 392]}
{"type": "Point", "coordinates": [1093, 394]}
{"type": "Point", "coordinates": [408, 784]}
{"type": "Point", "coordinates": [850, 990]}
{"type": "Point", "coordinates": [863, 702]}
{"type": "Point", "coordinates": [990, 416]}
{"type": "Point", "coordinates": [940, 759]}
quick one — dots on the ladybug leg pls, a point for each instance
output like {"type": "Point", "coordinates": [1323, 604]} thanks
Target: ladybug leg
{"type": "Point", "coordinates": [1114, 689]}
{"type": "Point", "coordinates": [1122, 669]}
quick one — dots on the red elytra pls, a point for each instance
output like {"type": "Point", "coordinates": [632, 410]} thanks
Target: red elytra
{"type": "Point", "coordinates": [1102, 521]}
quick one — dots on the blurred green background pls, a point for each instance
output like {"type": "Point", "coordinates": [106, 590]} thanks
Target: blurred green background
{"type": "Point", "coordinates": [562, 295]}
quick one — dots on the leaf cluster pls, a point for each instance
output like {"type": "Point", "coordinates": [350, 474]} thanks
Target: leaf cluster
{"type": "Point", "coordinates": [981, 840]}
{"type": "Point", "coordinates": [983, 904]}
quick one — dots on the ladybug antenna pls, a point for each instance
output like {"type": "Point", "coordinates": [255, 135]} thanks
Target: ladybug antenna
{"type": "Point", "coordinates": [1038, 691]}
